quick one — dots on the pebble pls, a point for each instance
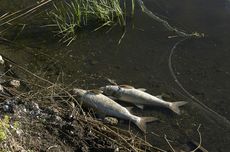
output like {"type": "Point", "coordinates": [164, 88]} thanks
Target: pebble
{"type": "Point", "coordinates": [111, 120]}
{"type": "Point", "coordinates": [15, 83]}
{"type": "Point", "coordinates": [1, 88]}
{"type": "Point", "coordinates": [6, 108]}
{"type": "Point", "coordinates": [1, 60]}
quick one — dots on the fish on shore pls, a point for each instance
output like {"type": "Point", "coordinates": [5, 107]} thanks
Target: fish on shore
{"type": "Point", "coordinates": [139, 97]}
{"type": "Point", "coordinates": [107, 106]}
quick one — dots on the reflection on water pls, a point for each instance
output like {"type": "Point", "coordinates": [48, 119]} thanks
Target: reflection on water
{"type": "Point", "coordinates": [141, 60]}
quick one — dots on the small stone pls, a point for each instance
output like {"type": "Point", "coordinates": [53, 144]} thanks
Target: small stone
{"type": "Point", "coordinates": [55, 111]}
{"type": "Point", "coordinates": [1, 88]}
{"type": "Point", "coordinates": [72, 104]}
{"type": "Point", "coordinates": [35, 106]}
{"type": "Point", "coordinates": [58, 118]}
{"type": "Point", "coordinates": [6, 108]}
{"type": "Point", "coordinates": [111, 120]}
{"type": "Point", "coordinates": [35, 110]}
{"type": "Point", "coordinates": [1, 60]}
{"type": "Point", "coordinates": [19, 131]}
{"type": "Point", "coordinates": [15, 83]}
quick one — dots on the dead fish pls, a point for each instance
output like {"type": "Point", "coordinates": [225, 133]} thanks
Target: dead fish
{"type": "Point", "coordinates": [139, 97]}
{"type": "Point", "coordinates": [107, 106]}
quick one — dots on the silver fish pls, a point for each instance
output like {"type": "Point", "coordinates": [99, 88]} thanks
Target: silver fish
{"type": "Point", "coordinates": [107, 106]}
{"type": "Point", "coordinates": [139, 97]}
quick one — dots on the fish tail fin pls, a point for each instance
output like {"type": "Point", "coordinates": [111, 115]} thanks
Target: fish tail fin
{"type": "Point", "coordinates": [142, 122]}
{"type": "Point", "coordinates": [175, 106]}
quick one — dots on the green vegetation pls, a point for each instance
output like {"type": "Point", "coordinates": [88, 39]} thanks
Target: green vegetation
{"type": "Point", "coordinates": [70, 16]}
{"type": "Point", "coordinates": [5, 127]}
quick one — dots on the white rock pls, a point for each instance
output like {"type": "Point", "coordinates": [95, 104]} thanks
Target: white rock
{"type": "Point", "coordinates": [1, 60]}
{"type": "Point", "coordinates": [1, 88]}
{"type": "Point", "coordinates": [15, 83]}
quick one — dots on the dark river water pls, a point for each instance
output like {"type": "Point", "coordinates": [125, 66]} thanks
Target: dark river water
{"type": "Point", "coordinates": [202, 66]}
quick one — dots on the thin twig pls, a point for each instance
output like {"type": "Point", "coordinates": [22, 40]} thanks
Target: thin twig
{"type": "Point", "coordinates": [122, 36]}
{"type": "Point", "coordinates": [45, 80]}
{"type": "Point", "coordinates": [27, 12]}
{"type": "Point", "coordinates": [165, 137]}
{"type": "Point", "coordinates": [116, 134]}
{"type": "Point", "coordinates": [200, 142]}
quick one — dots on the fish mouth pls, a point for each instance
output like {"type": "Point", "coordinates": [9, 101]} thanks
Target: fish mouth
{"type": "Point", "coordinates": [102, 88]}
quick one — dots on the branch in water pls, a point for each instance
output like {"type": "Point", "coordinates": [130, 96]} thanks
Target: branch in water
{"type": "Point", "coordinates": [165, 23]}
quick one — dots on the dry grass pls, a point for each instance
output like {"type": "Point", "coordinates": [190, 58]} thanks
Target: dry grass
{"type": "Point", "coordinates": [54, 129]}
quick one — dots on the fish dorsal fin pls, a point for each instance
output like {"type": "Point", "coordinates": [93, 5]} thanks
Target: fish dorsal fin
{"type": "Point", "coordinates": [95, 91]}
{"type": "Point", "coordinates": [142, 89]}
{"type": "Point", "coordinates": [163, 96]}
{"type": "Point", "coordinates": [126, 86]}
{"type": "Point", "coordinates": [140, 106]}
{"type": "Point", "coordinates": [159, 97]}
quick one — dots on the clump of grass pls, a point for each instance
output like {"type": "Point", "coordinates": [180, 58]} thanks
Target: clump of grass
{"type": "Point", "coordinates": [7, 126]}
{"type": "Point", "coordinates": [74, 14]}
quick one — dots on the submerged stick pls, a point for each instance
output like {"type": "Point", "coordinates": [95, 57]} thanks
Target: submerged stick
{"type": "Point", "coordinates": [200, 141]}
{"type": "Point", "coordinates": [165, 23]}
{"type": "Point", "coordinates": [171, 147]}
